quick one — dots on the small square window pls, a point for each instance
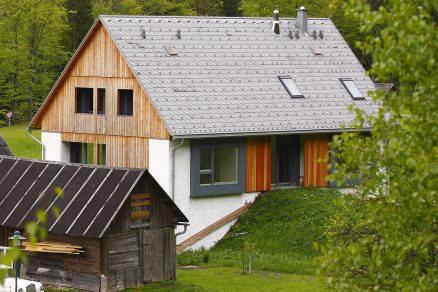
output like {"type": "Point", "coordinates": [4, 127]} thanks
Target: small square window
{"type": "Point", "coordinates": [101, 101]}
{"type": "Point", "coordinates": [352, 88]}
{"type": "Point", "coordinates": [126, 105]}
{"type": "Point", "coordinates": [290, 86]}
{"type": "Point", "coordinates": [84, 100]}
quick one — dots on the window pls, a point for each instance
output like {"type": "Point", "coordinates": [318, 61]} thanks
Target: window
{"type": "Point", "coordinates": [352, 88]}
{"type": "Point", "coordinates": [125, 102]}
{"type": "Point", "coordinates": [217, 167]}
{"type": "Point", "coordinates": [290, 86]}
{"type": "Point", "coordinates": [84, 100]}
{"type": "Point", "coordinates": [101, 154]}
{"type": "Point", "coordinates": [101, 101]}
{"type": "Point", "coordinates": [81, 153]}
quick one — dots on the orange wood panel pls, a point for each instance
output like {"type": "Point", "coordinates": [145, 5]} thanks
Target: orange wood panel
{"type": "Point", "coordinates": [258, 164]}
{"type": "Point", "coordinates": [315, 166]}
{"type": "Point", "coordinates": [121, 151]}
{"type": "Point", "coordinates": [99, 64]}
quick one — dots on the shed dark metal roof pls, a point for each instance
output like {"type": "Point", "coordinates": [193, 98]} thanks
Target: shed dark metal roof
{"type": "Point", "coordinates": [91, 195]}
{"type": "Point", "coordinates": [4, 149]}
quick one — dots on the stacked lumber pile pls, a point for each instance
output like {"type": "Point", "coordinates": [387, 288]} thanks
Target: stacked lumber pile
{"type": "Point", "coordinates": [52, 247]}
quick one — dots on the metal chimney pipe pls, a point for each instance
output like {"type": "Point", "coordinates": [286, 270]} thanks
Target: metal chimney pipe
{"type": "Point", "coordinates": [302, 19]}
{"type": "Point", "coordinates": [276, 22]}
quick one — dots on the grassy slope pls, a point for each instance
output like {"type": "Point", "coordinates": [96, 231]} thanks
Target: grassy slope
{"type": "Point", "coordinates": [20, 143]}
{"type": "Point", "coordinates": [283, 225]}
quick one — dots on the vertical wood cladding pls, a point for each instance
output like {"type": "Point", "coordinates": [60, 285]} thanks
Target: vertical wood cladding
{"type": "Point", "coordinates": [121, 151]}
{"type": "Point", "coordinates": [100, 65]}
{"type": "Point", "coordinates": [315, 169]}
{"type": "Point", "coordinates": [258, 164]}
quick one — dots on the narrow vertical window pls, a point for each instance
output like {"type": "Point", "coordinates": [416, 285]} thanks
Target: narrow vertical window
{"type": "Point", "coordinates": [101, 101]}
{"type": "Point", "coordinates": [84, 100]}
{"type": "Point", "coordinates": [101, 154]}
{"type": "Point", "coordinates": [126, 104]}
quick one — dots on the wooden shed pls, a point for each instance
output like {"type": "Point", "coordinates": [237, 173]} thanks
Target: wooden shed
{"type": "Point", "coordinates": [115, 229]}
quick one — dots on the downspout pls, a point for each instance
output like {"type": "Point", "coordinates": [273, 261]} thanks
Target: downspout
{"type": "Point", "coordinates": [173, 169]}
{"type": "Point", "coordinates": [29, 131]}
{"type": "Point", "coordinates": [185, 228]}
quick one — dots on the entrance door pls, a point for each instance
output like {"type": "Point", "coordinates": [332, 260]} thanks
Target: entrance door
{"type": "Point", "coordinates": [285, 160]}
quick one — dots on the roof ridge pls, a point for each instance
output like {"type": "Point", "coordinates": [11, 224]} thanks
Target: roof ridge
{"type": "Point", "coordinates": [203, 17]}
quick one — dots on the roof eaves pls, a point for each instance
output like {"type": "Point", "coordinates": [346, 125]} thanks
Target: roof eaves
{"type": "Point", "coordinates": [33, 122]}
{"type": "Point", "coordinates": [321, 131]}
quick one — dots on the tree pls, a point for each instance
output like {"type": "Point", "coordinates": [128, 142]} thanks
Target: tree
{"type": "Point", "coordinates": [31, 53]}
{"type": "Point", "coordinates": [385, 237]}
{"type": "Point", "coordinates": [168, 7]}
{"type": "Point", "coordinates": [122, 7]}
{"type": "Point", "coordinates": [231, 8]}
{"type": "Point", "coordinates": [80, 19]}
{"type": "Point", "coordinates": [287, 8]}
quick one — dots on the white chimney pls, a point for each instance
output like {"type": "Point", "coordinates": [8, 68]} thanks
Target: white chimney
{"type": "Point", "coordinates": [302, 19]}
{"type": "Point", "coordinates": [276, 22]}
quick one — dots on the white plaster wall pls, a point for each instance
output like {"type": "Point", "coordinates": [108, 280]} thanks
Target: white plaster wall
{"type": "Point", "coordinates": [159, 162]}
{"type": "Point", "coordinates": [202, 211]}
{"type": "Point", "coordinates": [54, 148]}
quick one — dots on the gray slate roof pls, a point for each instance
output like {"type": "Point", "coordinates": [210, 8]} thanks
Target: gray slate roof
{"type": "Point", "coordinates": [224, 80]}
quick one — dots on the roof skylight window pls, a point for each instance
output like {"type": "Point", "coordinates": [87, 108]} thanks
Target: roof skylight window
{"type": "Point", "coordinates": [290, 86]}
{"type": "Point", "coordinates": [352, 88]}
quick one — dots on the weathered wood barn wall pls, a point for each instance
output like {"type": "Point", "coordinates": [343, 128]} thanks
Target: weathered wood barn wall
{"type": "Point", "coordinates": [115, 232]}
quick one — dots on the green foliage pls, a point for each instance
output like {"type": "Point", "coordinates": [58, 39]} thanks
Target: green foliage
{"type": "Point", "coordinates": [31, 53]}
{"type": "Point", "coordinates": [231, 7]}
{"type": "Point", "coordinates": [282, 227]}
{"type": "Point", "coordinates": [386, 236]}
{"type": "Point", "coordinates": [111, 7]}
{"type": "Point", "coordinates": [287, 8]}
{"type": "Point", "coordinates": [168, 7]}
{"type": "Point", "coordinates": [230, 279]}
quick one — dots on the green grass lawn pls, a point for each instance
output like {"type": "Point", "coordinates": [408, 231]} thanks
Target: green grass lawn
{"type": "Point", "coordinates": [282, 227]}
{"type": "Point", "coordinates": [19, 141]}
{"type": "Point", "coordinates": [231, 279]}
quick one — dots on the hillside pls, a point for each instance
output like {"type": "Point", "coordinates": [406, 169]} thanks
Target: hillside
{"type": "Point", "coordinates": [282, 227]}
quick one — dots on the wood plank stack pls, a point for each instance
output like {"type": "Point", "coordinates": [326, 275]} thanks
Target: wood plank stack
{"type": "Point", "coordinates": [52, 247]}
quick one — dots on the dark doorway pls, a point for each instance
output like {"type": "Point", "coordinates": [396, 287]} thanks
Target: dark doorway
{"type": "Point", "coordinates": [285, 160]}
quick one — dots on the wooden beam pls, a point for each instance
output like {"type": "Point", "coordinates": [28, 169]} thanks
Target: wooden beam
{"type": "Point", "coordinates": [213, 227]}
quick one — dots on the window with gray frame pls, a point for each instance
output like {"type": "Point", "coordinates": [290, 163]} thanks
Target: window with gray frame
{"type": "Point", "coordinates": [217, 167]}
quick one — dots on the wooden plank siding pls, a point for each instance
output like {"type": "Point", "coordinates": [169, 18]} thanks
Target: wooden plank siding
{"type": "Point", "coordinates": [315, 168]}
{"type": "Point", "coordinates": [258, 164]}
{"type": "Point", "coordinates": [121, 151]}
{"type": "Point", "coordinates": [100, 65]}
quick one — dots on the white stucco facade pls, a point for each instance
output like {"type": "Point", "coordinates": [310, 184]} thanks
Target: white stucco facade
{"type": "Point", "coordinates": [54, 149]}
{"type": "Point", "coordinates": [202, 211]}
{"type": "Point", "coordinates": [159, 162]}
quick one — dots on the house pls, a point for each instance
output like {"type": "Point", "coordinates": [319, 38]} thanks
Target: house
{"type": "Point", "coordinates": [217, 109]}
{"type": "Point", "coordinates": [4, 149]}
{"type": "Point", "coordinates": [115, 228]}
